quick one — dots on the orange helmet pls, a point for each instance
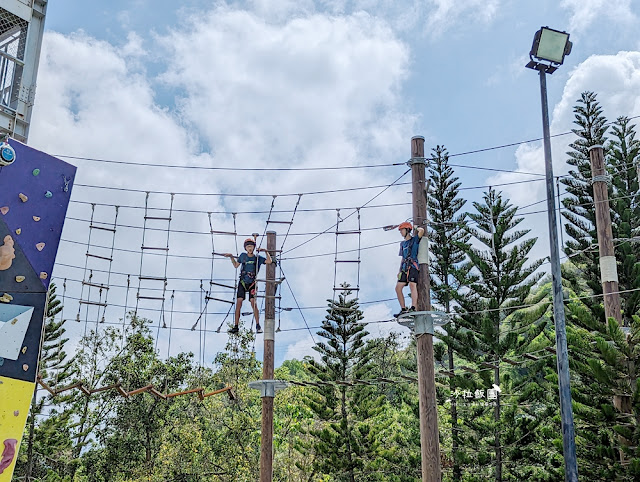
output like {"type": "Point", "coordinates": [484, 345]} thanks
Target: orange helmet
{"type": "Point", "coordinates": [405, 225]}
{"type": "Point", "coordinates": [249, 241]}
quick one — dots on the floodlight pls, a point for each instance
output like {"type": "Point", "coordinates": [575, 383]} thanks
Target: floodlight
{"type": "Point", "coordinates": [550, 45]}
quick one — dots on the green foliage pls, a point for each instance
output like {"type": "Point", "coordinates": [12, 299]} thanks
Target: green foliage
{"type": "Point", "coordinates": [46, 448]}
{"type": "Point", "coordinates": [449, 275]}
{"type": "Point", "coordinates": [344, 441]}
{"type": "Point", "coordinates": [502, 277]}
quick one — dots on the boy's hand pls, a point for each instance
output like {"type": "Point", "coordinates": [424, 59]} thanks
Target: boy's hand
{"type": "Point", "coordinates": [420, 232]}
{"type": "Point", "coordinates": [227, 255]}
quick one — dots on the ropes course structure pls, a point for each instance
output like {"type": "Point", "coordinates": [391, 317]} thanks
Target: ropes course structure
{"type": "Point", "coordinates": [91, 258]}
{"type": "Point", "coordinates": [167, 292]}
{"type": "Point", "coordinates": [117, 387]}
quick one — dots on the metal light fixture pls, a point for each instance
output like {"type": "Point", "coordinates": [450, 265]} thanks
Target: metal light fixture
{"type": "Point", "coordinates": [550, 46]}
{"type": "Point", "coordinates": [549, 49]}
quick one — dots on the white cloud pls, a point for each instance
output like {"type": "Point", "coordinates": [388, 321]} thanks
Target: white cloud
{"type": "Point", "coordinates": [444, 14]}
{"type": "Point", "coordinates": [315, 90]}
{"type": "Point", "coordinates": [585, 12]}
{"type": "Point", "coordinates": [431, 17]}
{"type": "Point", "coordinates": [301, 348]}
{"type": "Point", "coordinates": [616, 81]}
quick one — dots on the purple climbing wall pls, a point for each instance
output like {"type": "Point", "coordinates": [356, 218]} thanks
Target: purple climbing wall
{"type": "Point", "coordinates": [34, 196]}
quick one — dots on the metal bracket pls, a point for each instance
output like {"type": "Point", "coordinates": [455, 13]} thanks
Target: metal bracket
{"type": "Point", "coordinates": [421, 322]}
{"type": "Point", "coordinates": [417, 160]}
{"type": "Point", "coordinates": [268, 388]}
{"type": "Point", "coordinates": [601, 178]}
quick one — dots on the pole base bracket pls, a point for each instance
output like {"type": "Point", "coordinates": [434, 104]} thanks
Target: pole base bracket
{"type": "Point", "coordinates": [422, 322]}
{"type": "Point", "coordinates": [268, 388]}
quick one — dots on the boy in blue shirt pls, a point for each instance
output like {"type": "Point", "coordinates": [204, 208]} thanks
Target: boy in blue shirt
{"type": "Point", "coordinates": [409, 267]}
{"type": "Point", "coordinates": [247, 284]}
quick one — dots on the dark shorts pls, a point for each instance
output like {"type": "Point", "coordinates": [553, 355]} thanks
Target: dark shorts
{"type": "Point", "coordinates": [242, 291]}
{"type": "Point", "coordinates": [410, 277]}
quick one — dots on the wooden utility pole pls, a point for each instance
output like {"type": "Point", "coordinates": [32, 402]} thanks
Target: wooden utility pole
{"type": "Point", "coordinates": [429, 437]}
{"type": "Point", "coordinates": [268, 386]}
{"type": "Point", "coordinates": [608, 267]}
{"type": "Point", "coordinates": [266, 443]}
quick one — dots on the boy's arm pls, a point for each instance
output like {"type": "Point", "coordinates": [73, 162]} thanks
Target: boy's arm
{"type": "Point", "coordinates": [268, 260]}
{"type": "Point", "coordinates": [233, 259]}
{"type": "Point", "coordinates": [420, 232]}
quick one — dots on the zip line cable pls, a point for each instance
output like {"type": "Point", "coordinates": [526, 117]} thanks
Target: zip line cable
{"type": "Point", "coordinates": [357, 210]}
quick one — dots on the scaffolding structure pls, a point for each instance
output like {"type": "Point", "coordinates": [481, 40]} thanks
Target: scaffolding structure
{"type": "Point", "coordinates": [21, 30]}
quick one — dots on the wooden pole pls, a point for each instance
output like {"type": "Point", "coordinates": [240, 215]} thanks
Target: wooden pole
{"type": "Point", "coordinates": [429, 437]}
{"type": "Point", "coordinates": [608, 267]}
{"type": "Point", "coordinates": [266, 442]}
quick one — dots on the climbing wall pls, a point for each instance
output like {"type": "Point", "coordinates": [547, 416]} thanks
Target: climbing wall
{"type": "Point", "coordinates": [34, 195]}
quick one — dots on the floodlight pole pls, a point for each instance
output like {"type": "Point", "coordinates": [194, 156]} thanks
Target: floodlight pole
{"type": "Point", "coordinates": [566, 411]}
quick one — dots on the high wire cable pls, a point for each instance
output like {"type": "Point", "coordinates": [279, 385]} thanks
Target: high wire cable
{"type": "Point", "coordinates": [308, 193]}
{"type": "Point", "coordinates": [326, 168]}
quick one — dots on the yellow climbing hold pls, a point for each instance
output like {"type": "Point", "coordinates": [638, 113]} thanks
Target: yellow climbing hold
{"type": "Point", "coordinates": [24, 350]}
{"type": "Point", "coordinates": [43, 275]}
{"type": "Point", "coordinates": [19, 279]}
{"type": "Point", "coordinates": [19, 231]}
{"type": "Point", "coordinates": [6, 298]}
{"type": "Point", "coordinates": [14, 321]}
{"type": "Point", "coordinates": [36, 218]}
{"type": "Point", "coordinates": [23, 198]}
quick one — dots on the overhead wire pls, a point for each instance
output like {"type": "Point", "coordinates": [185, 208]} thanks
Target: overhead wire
{"type": "Point", "coordinates": [327, 168]}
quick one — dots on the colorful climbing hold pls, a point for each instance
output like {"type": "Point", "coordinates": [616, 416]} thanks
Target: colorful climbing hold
{"type": "Point", "coordinates": [23, 197]}
{"type": "Point", "coordinates": [36, 218]}
{"type": "Point", "coordinates": [14, 321]}
{"type": "Point", "coordinates": [24, 350]}
{"type": "Point", "coordinates": [40, 246]}
{"type": "Point", "coordinates": [19, 279]}
{"type": "Point", "coordinates": [48, 194]}
{"type": "Point", "coordinates": [6, 298]}
{"type": "Point", "coordinates": [43, 275]}
{"type": "Point", "coordinates": [16, 413]}
{"type": "Point", "coordinates": [4, 209]}
{"type": "Point", "coordinates": [18, 231]}
{"type": "Point", "coordinates": [35, 172]}
{"type": "Point", "coordinates": [25, 367]}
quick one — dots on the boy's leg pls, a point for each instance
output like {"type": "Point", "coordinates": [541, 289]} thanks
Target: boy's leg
{"type": "Point", "coordinates": [256, 312]}
{"type": "Point", "coordinates": [238, 309]}
{"type": "Point", "coordinates": [399, 287]}
{"type": "Point", "coordinates": [403, 308]}
{"type": "Point", "coordinates": [414, 294]}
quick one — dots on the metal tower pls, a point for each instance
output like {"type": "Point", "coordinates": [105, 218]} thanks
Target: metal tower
{"type": "Point", "coordinates": [21, 29]}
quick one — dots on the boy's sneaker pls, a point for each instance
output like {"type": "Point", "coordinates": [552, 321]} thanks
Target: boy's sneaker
{"type": "Point", "coordinates": [402, 312]}
{"type": "Point", "coordinates": [258, 328]}
{"type": "Point", "coordinates": [234, 330]}
{"type": "Point", "coordinates": [413, 308]}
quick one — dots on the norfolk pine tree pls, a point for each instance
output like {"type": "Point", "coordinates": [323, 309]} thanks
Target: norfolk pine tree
{"type": "Point", "coordinates": [344, 443]}
{"type": "Point", "coordinates": [47, 444]}
{"type": "Point", "coordinates": [447, 232]}
{"type": "Point", "coordinates": [502, 279]}
{"type": "Point", "coordinates": [579, 211]}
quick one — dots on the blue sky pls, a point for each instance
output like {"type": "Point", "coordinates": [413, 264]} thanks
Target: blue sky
{"type": "Point", "coordinates": [283, 83]}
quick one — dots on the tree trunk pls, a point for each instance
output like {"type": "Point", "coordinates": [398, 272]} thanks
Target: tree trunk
{"type": "Point", "coordinates": [32, 427]}
{"type": "Point", "coordinates": [348, 433]}
{"type": "Point", "coordinates": [457, 472]}
{"type": "Point", "coordinates": [496, 380]}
